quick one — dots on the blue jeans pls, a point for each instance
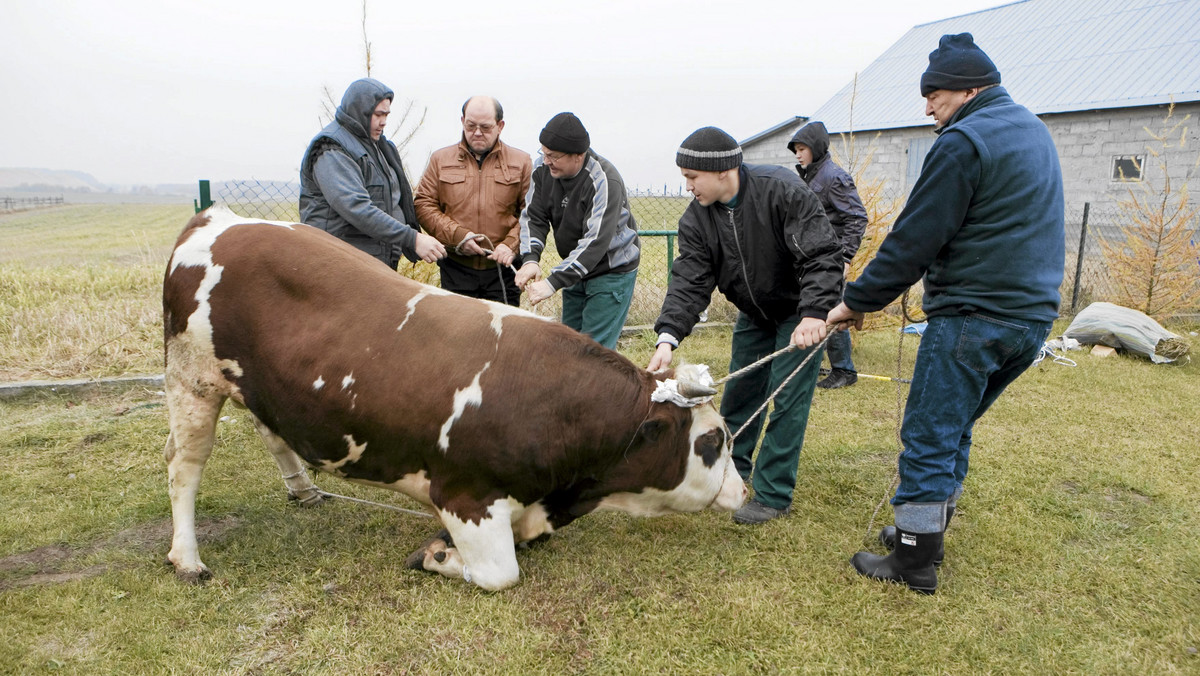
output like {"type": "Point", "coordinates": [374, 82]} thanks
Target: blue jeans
{"type": "Point", "coordinates": [838, 349]}
{"type": "Point", "coordinates": [963, 364]}
{"type": "Point", "coordinates": [599, 306]}
{"type": "Point", "coordinates": [775, 467]}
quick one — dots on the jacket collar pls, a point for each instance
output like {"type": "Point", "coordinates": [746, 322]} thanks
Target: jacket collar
{"type": "Point", "coordinates": [982, 100]}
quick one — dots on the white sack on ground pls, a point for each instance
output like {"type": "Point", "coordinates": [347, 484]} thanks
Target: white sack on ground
{"type": "Point", "coordinates": [1126, 329]}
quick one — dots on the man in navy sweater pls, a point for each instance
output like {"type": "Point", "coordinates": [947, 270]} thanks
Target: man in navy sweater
{"type": "Point", "coordinates": [983, 227]}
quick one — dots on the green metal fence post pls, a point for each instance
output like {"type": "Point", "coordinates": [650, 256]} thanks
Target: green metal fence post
{"type": "Point", "coordinates": [670, 253]}
{"type": "Point", "coordinates": [205, 197]}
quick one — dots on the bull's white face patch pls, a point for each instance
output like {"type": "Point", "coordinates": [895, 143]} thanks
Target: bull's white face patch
{"type": "Point", "coordinates": [318, 384]}
{"type": "Point", "coordinates": [471, 395]}
{"type": "Point", "coordinates": [701, 486]}
{"type": "Point", "coordinates": [347, 381]}
{"type": "Point", "coordinates": [354, 452]}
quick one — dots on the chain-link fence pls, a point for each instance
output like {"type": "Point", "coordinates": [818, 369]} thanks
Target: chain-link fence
{"type": "Point", "coordinates": [1087, 275]}
{"type": "Point", "coordinates": [1093, 274]}
{"type": "Point", "coordinates": [657, 216]}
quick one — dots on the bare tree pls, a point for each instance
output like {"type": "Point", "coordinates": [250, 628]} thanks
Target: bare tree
{"type": "Point", "coordinates": [404, 126]}
{"type": "Point", "coordinates": [1155, 266]}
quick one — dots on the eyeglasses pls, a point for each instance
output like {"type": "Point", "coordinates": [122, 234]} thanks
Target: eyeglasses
{"type": "Point", "coordinates": [551, 157]}
{"type": "Point", "coordinates": [484, 129]}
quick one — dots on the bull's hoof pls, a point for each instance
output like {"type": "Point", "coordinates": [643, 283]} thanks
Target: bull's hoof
{"type": "Point", "coordinates": [310, 498]}
{"type": "Point", "coordinates": [416, 560]}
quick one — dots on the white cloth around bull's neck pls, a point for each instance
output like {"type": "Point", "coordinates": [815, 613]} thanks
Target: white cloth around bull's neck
{"type": "Point", "coordinates": [668, 390]}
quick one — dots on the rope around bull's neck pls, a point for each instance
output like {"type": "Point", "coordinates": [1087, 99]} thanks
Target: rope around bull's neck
{"type": "Point", "coordinates": [814, 350]}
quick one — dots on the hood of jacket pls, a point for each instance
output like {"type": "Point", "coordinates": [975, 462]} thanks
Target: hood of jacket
{"type": "Point", "coordinates": [815, 137]}
{"type": "Point", "coordinates": [358, 105]}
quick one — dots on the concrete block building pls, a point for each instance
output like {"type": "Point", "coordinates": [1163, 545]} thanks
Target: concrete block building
{"type": "Point", "coordinates": [1099, 73]}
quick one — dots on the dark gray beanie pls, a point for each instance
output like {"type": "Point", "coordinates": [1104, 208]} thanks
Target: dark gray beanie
{"type": "Point", "coordinates": [958, 64]}
{"type": "Point", "coordinates": [564, 133]}
{"type": "Point", "coordinates": [709, 149]}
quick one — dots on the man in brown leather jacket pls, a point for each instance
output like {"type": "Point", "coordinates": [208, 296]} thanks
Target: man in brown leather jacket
{"type": "Point", "coordinates": [470, 198]}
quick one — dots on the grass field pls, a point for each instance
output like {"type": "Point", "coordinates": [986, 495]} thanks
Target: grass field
{"type": "Point", "coordinates": [1074, 549]}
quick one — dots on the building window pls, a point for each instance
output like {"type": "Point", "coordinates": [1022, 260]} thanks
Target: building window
{"type": "Point", "coordinates": [1127, 167]}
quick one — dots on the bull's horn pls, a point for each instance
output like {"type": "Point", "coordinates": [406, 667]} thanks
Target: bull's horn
{"type": "Point", "coordinates": [692, 389]}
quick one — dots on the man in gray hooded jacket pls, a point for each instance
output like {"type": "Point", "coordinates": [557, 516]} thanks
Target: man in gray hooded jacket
{"type": "Point", "coordinates": [352, 184]}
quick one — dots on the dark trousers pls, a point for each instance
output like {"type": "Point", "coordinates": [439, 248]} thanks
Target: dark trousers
{"type": "Point", "coordinates": [963, 364]}
{"type": "Point", "coordinates": [774, 469]}
{"type": "Point", "coordinates": [486, 284]}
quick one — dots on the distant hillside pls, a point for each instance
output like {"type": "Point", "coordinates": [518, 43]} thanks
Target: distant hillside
{"type": "Point", "coordinates": [28, 179]}
{"type": "Point", "coordinates": [19, 180]}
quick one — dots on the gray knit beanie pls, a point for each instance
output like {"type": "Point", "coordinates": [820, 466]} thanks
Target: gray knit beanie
{"type": "Point", "coordinates": [709, 149]}
{"type": "Point", "coordinates": [564, 133]}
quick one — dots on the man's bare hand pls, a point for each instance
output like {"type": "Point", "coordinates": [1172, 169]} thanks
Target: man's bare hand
{"type": "Point", "coordinates": [662, 357]}
{"type": "Point", "coordinates": [470, 245]}
{"type": "Point", "coordinates": [538, 291]}
{"type": "Point", "coordinates": [530, 272]}
{"type": "Point", "coordinates": [429, 249]}
{"type": "Point", "coordinates": [842, 317]}
{"type": "Point", "coordinates": [503, 255]}
{"type": "Point", "coordinates": [809, 332]}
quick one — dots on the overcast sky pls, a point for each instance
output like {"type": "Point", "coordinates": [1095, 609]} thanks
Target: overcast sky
{"type": "Point", "coordinates": [172, 91]}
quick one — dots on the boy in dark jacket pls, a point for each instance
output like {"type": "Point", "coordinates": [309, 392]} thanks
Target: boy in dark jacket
{"type": "Point", "coordinates": [983, 227]}
{"type": "Point", "coordinates": [846, 214]}
{"type": "Point", "coordinates": [758, 234]}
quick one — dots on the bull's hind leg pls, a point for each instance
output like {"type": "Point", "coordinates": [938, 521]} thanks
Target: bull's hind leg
{"type": "Point", "coordinates": [192, 419]}
{"type": "Point", "coordinates": [299, 485]}
{"type": "Point", "coordinates": [483, 553]}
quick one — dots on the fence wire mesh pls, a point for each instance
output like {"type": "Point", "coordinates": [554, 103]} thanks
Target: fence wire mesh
{"type": "Point", "coordinates": [1087, 273]}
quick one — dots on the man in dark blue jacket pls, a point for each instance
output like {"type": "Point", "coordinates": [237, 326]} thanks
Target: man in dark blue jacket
{"type": "Point", "coordinates": [352, 184]}
{"type": "Point", "coordinates": [846, 214]}
{"type": "Point", "coordinates": [984, 227]}
{"type": "Point", "coordinates": [758, 234]}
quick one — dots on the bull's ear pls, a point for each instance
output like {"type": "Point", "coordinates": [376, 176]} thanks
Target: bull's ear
{"type": "Point", "coordinates": [651, 431]}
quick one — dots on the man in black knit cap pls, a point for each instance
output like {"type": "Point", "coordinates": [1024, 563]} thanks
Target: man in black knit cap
{"type": "Point", "coordinates": [758, 234]}
{"type": "Point", "coordinates": [582, 198]}
{"type": "Point", "coordinates": [983, 228]}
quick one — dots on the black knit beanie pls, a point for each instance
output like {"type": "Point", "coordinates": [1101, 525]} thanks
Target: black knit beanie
{"type": "Point", "coordinates": [564, 133]}
{"type": "Point", "coordinates": [958, 64]}
{"type": "Point", "coordinates": [709, 149]}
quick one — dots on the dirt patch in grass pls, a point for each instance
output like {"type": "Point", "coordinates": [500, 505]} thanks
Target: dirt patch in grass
{"type": "Point", "coordinates": [52, 564]}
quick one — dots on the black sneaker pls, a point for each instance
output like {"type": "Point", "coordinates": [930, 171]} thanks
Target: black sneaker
{"type": "Point", "coordinates": [838, 378]}
{"type": "Point", "coordinates": [755, 512]}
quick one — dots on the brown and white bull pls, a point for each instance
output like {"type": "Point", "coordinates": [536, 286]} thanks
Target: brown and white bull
{"type": "Point", "coordinates": [508, 426]}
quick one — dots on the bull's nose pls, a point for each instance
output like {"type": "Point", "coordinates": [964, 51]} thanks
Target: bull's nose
{"type": "Point", "coordinates": [733, 492]}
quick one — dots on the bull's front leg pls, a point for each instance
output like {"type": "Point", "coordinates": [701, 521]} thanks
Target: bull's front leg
{"type": "Point", "coordinates": [483, 553]}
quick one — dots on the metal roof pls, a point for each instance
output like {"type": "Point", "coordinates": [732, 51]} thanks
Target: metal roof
{"type": "Point", "coordinates": [1054, 56]}
{"type": "Point", "coordinates": [767, 132]}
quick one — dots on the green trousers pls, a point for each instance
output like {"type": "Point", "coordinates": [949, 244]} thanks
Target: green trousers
{"type": "Point", "coordinates": [774, 470]}
{"type": "Point", "coordinates": [598, 306]}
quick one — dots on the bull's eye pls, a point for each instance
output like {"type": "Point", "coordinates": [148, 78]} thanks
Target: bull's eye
{"type": "Point", "coordinates": [709, 446]}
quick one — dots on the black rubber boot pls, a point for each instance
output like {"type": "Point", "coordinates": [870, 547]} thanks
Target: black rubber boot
{"type": "Point", "coordinates": [911, 562]}
{"type": "Point", "coordinates": [887, 538]}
